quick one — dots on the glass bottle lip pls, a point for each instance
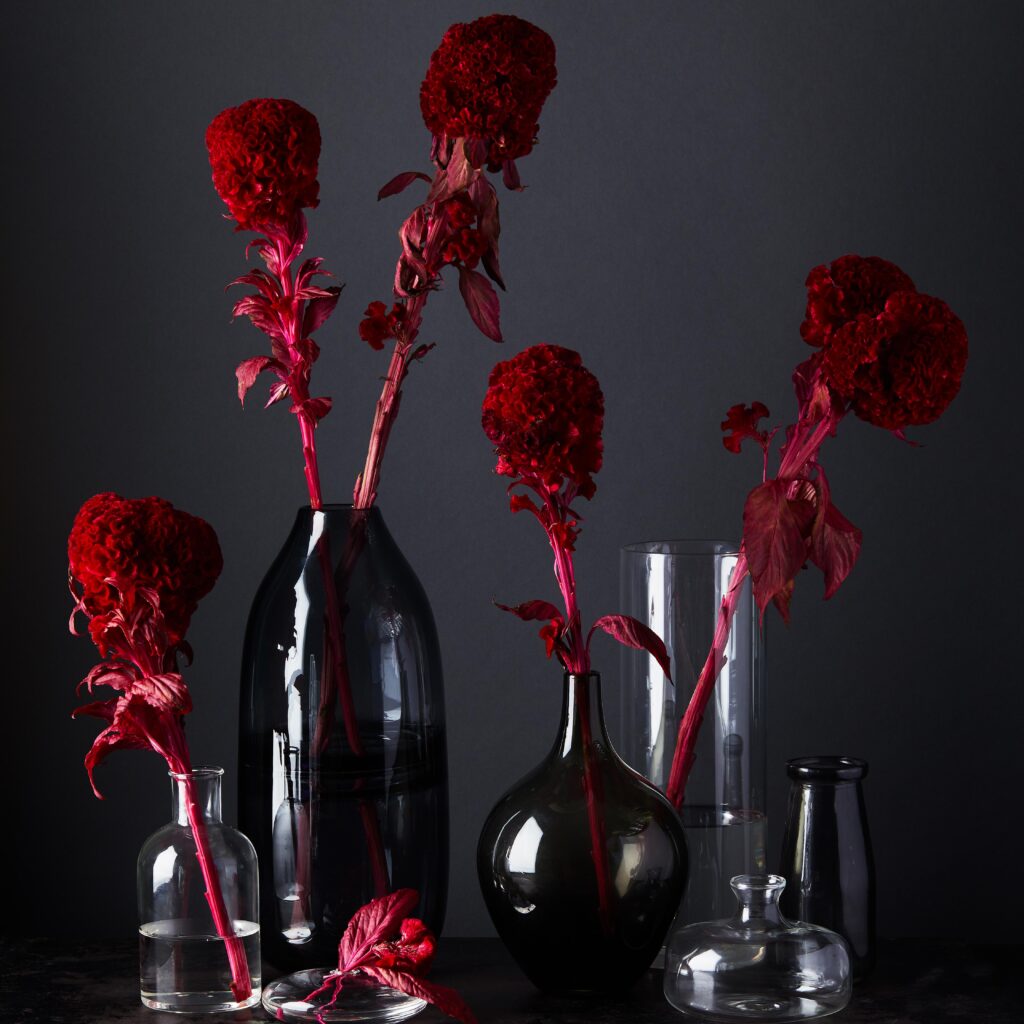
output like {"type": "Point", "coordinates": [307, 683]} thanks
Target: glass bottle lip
{"type": "Point", "coordinates": [758, 883]}
{"type": "Point", "coordinates": [574, 677]}
{"type": "Point", "coordinates": [826, 768]}
{"type": "Point", "coordinates": [683, 548]}
{"type": "Point", "coordinates": [203, 771]}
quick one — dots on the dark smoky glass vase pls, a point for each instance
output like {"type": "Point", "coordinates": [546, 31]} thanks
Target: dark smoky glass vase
{"type": "Point", "coordinates": [582, 863]}
{"type": "Point", "coordinates": [826, 853]}
{"type": "Point", "coordinates": [343, 784]}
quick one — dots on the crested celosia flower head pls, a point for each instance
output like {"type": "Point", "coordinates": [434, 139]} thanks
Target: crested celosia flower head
{"type": "Point", "coordinates": [903, 367]}
{"type": "Point", "coordinates": [544, 413]}
{"type": "Point", "coordinates": [847, 289]}
{"type": "Point", "coordinates": [488, 80]}
{"type": "Point", "coordinates": [119, 546]}
{"type": "Point", "coordinates": [264, 156]}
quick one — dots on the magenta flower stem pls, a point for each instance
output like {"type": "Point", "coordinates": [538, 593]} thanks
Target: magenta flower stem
{"type": "Point", "coordinates": [174, 750]}
{"type": "Point", "coordinates": [802, 449]}
{"type": "Point", "coordinates": [241, 984]}
{"type": "Point", "coordinates": [291, 323]}
{"type": "Point", "coordinates": [578, 661]}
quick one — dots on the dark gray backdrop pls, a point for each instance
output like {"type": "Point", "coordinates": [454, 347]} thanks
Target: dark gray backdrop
{"type": "Point", "coordinates": [695, 161]}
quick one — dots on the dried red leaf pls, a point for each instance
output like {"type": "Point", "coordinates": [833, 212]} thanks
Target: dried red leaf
{"type": "Point", "coordinates": [400, 182]}
{"type": "Point", "coordinates": [250, 369]}
{"type": "Point", "coordinates": [633, 633]}
{"type": "Point", "coordinates": [482, 302]}
{"type": "Point", "coordinates": [835, 541]}
{"type": "Point", "coordinates": [530, 610]}
{"type": "Point", "coordinates": [447, 1000]}
{"type": "Point", "coordinates": [776, 549]}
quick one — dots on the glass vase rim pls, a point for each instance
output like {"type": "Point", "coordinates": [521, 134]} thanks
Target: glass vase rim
{"type": "Point", "coordinates": [572, 677]}
{"type": "Point", "coordinates": [761, 883]}
{"type": "Point", "coordinates": [683, 547]}
{"type": "Point", "coordinates": [199, 773]}
{"type": "Point", "coordinates": [826, 768]}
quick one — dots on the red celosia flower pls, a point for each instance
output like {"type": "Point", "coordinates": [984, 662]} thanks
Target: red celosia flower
{"type": "Point", "coordinates": [903, 367]}
{"type": "Point", "coordinates": [488, 80]}
{"type": "Point", "coordinates": [379, 325]}
{"type": "Point", "coordinates": [846, 289]}
{"type": "Point", "coordinates": [119, 547]}
{"type": "Point", "coordinates": [264, 156]}
{"type": "Point", "coordinates": [544, 412]}
{"type": "Point", "coordinates": [741, 422]}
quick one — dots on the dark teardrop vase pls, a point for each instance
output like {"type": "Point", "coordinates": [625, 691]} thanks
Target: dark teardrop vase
{"type": "Point", "coordinates": [573, 921]}
{"type": "Point", "coordinates": [343, 785]}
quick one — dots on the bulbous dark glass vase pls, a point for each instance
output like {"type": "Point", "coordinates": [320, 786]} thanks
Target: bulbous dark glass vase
{"type": "Point", "coordinates": [582, 863]}
{"type": "Point", "coordinates": [343, 784]}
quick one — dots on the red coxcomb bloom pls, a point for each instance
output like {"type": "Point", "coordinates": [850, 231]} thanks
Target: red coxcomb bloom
{"type": "Point", "coordinates": [903, 367]}
{"type": "Point", "coordinates": [264, 156]}
{"type": "Point", "coordinates": [846, 289]}
{"type": "Point", "coordinates": [544, 412]}
{"type": "Point", "coordinates": [120, 546]}
{"type": "Point", "coordinates": [488, 80]}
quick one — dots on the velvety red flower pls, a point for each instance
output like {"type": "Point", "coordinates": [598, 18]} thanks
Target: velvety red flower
{"type": "Point", "coordinates": [488, 80]}
{"type": "Point", "coordinates": [846, 289]}
{"type": "Point", "coordinates": [379, 325]}
{"type": "Point", "coordinates": [264, 156]}
{"type": "Point", "coordinates": [466, 246]}
{"type": "Point", "coordinates": [741, 422]}
{"type": "Point", "coordinates": [120, 546]}
{"type": "Point", "coordinates": [544, 412]}
{"type": "Point", "coordinates": [903, 367]}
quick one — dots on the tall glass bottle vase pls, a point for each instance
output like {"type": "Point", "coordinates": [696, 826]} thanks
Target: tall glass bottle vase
{"type": "Point", "coordinates": [676, 588]}
{"type": "Point", "coordinates": [188, 962]}
{"type": "Point", "coordinates": [342, 750]}
{"type": "Point", "coordinates": [582, 863]}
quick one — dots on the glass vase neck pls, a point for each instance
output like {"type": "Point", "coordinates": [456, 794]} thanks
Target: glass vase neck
{"type": "Point", "coordinates": [582, 722]}
{"type": "Point", "coordinates": [200, 787]}
{"type": "Point", "coordinates": [826, 769]}
{"type": "Point", "coordinates": [758, 897]}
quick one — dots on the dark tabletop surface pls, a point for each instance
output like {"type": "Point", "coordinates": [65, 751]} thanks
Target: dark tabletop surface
{"type": "Point", "coordinates": [915, 982]}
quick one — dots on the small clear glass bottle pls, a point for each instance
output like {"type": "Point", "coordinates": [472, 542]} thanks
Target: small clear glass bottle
{"type": "Point", "coordinates": [185, 963]}
{"type": "Point", "coordinates": [757, 965]}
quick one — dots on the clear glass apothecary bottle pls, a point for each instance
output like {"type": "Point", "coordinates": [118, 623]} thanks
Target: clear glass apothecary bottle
{"type": "Point", "coordinates": [198, 892]}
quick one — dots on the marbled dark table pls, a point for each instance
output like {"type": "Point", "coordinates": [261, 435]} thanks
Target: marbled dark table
{"type": "Point", "coordinates": [915, 983]}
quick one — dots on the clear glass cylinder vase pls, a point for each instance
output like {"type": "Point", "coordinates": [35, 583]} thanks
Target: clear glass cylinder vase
{"type": "Point", "coordinates": [343, 783]}
{"type": "Point", "coordinates": [676, 588]}
{"type": "Point", "coordinates": [198, 893]}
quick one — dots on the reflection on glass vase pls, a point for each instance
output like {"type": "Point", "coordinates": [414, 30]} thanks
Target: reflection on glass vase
{"type": "Point", "coordinates": [342, 750]}
{"type": "Point", "coordinates": [676, 588]}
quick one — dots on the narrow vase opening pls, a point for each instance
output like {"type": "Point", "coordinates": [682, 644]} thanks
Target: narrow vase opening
{"type": "Point", "coordinates": [826, 768]}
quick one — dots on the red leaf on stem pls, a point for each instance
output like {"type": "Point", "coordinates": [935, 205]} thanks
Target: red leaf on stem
{"type": "Point", "coordinates": [447, 1000]}
{"type": "Point", "coordinates": [319, 309]}
{"type": "Point", "coordinates": [530, 610]}
{"type": "Point", "coordinates": [400, 182]}
{"type": "Point", "coordinates": [482, 302]}
{"type": "Point", "coordinates": [374, 923]}
{"type": "Point", "coordinates": [835, 541]}
{"type": "Point", "coordinates": [250, 369]}
{"type": "Point", "coordinates": [633, 633]}
{"type": "Point", "coordinates": [776, 549]}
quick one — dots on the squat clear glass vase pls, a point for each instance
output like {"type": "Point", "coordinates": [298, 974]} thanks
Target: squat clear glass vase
{"type": "Point", "coordinates": [757, 965]}
{"type": "Point", "coordinates": [198, 890]}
